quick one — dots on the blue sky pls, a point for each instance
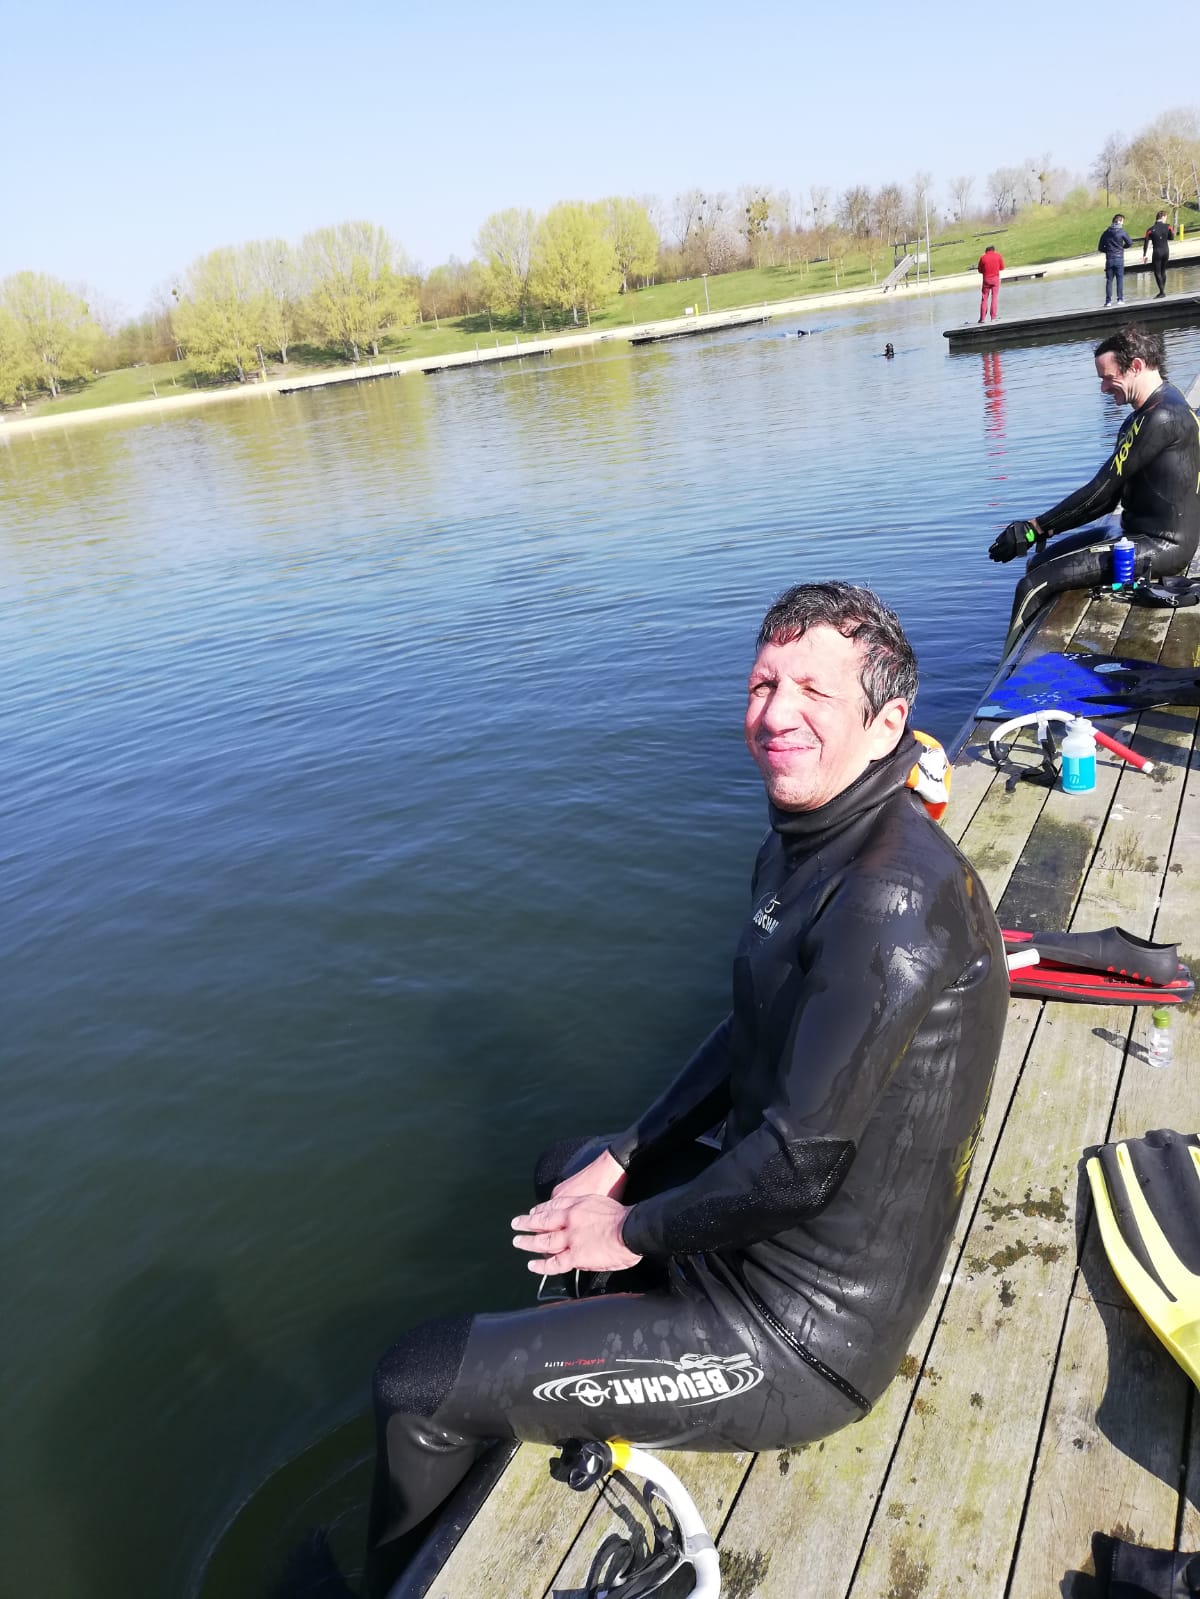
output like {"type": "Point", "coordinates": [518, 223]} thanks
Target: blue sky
{"type": "Point", "coordinates": [139, 137]}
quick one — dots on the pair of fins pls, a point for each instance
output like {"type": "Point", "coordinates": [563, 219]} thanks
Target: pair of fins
{"type": "Point", "coordinates": [1109, 967]}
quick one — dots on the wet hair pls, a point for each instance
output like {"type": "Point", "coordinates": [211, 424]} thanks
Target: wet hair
{"type": "Point", "coordinates": [889, 666]}
{"type": "Point", "coordinates": [1132, 341]}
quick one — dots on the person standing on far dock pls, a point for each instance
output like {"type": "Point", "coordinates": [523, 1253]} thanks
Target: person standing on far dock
{"type": "Point", "coordinates": [990, 265]}
{"type": "Point", "coordinates": [1159, 235]}
{"type": "Point", "coordinates": [1114, 242]}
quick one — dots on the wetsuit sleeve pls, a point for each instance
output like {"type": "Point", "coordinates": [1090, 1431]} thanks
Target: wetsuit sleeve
{"type": "Point", "coordinates": [1139, 441]}
{"type": "Point", "coordinates": [871, 966]}
{"type": "Point", "coordinates": [695, 1101]}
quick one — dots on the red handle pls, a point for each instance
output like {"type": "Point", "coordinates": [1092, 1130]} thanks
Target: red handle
{"type": "Point", "coordinates": [1123, 750]}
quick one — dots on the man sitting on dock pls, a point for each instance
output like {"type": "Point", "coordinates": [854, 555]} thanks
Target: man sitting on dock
{"type": "Point", "coordinates": [761, 1291]}
{"type": "Point", "coordinates": [1153, 474]}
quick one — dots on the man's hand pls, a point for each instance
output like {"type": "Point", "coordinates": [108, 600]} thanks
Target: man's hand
{"type": "Point", "coordinates": [1018, 538]}
{"type": "Point", "coordinates": [582, 1234]}
{"type": "Point", "coordinates": [604, 1176]}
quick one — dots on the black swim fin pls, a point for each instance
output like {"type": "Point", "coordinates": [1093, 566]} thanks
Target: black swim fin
{"type": "Point", "coordinates": [1108, 967]}
{"type": "Point", "coordinates": [1140, 690]}
{"type": "Point", "coordinates": [1172, 592]}
{"type": "Point", "coordinates": [1127, 1571]}
{"type": "Point", "coordinates": [1147, 1197]}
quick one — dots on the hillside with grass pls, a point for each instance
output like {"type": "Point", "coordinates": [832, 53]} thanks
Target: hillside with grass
{"type": "Point", "coordinates": [1033, 237]}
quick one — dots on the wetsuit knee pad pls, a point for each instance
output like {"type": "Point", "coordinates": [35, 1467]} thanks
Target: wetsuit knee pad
{"type": "Point", "coordinates": [420, 1368]}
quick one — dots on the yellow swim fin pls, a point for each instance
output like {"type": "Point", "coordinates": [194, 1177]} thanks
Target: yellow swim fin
{"type": "Point", "coordinates": [1147, 1197]}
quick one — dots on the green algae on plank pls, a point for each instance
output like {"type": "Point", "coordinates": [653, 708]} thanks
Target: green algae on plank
{"type": "Point", "coordinates": [742, 1574]}
{"type": "Point", "coordinates": [908, 1575]}
{"type": "Point", "coordinates": [1054, 1208]}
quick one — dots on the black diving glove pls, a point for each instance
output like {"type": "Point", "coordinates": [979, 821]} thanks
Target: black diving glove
{"type": "Point", "coordinates": [1018, 538]}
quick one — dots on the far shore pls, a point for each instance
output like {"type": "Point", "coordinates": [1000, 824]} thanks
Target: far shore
{"type": "Point", "coordinates": [189, 398]}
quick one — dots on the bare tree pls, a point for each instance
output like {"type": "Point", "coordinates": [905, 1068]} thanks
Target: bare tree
{"type": "Point", "coordinates": [960, 195]}
{"type": "Point", "coordinates": [754, 205]}
{"type": "Point", "coordinates": [919, 193]}
{"type": "Point", "coordinates": [819, 196]}
{"type": "Point", "coordinates": [888, 206]}
{"type": "Point", "coordinates": [1108, 167]}
{"type": "Point", "coordinates": [838, 248]}
{"type": "Point", "coordinates": [687, 210]}
{"type": "Point", "coordinates": [854, 210]}
{"type": "Point", "coordinates": [1164, 159]}
{"type": "Point", "coordinates": [1003, 185]}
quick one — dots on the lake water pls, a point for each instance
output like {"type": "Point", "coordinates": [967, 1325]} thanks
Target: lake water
{"type": "Point", "coordinates": [375, 810]}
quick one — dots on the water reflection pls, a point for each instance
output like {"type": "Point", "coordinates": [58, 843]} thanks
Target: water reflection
{"type": "Point", "coordinates": [993, 421]}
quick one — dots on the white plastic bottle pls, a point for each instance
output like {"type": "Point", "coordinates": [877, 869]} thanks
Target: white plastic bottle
{"type": "Point", "coordinates": [1158, 1051]}
{"type": "Point", "coordinates": [1079, 757]}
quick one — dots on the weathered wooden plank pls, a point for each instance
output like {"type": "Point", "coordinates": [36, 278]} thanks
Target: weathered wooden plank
{"type": "Point", "coordinates": [1102, 1468]}
{"type": "Point", "coordinates": [1113, 1441]}
{"type": "Point", "coordinates": [999, 832]}
{"type": "Point", "coordinates": [834, 1486]}
{"type": "Point", "coordinates": [1100, 627]}
{"type": "Point", "coordinates": [515, 1543]}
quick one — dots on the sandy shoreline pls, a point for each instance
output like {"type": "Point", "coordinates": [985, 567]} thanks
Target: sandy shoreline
{"type": "Point", "coordinates": [17, 426]}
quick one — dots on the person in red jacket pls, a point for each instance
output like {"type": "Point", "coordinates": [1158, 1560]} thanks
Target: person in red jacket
{"type": "Point", "coordinates": [990, 265]}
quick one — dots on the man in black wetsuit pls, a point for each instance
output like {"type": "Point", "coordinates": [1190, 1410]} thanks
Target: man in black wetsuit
{"type": "Point", "coordinates": [1153, 474]}
{"type": "Point", "coordinates": [1158, 236]}
{"type": "Point", "coordinates": [766, 1294]}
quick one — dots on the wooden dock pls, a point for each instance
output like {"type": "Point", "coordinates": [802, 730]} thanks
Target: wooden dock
{"type": "Point", "coordinates": [710, 323]}
{"type": "Point", "coordinates": [1034, 1406]}
{"type": "Point", "coordinates": [1175, 310]}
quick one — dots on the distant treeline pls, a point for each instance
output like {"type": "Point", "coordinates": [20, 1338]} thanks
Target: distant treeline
{"type": "Point", "coordinates": [345, 288]}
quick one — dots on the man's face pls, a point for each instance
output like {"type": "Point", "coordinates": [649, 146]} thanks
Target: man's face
{"type": "Point", "coordinates": [1121, 385]}
{"type": "Point", "coordinates": [804, 719]}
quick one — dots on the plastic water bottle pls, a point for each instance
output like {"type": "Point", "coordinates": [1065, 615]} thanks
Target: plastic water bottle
{"type": "Point", "coordinates": [1122, 562]}
{"type": "Point", "coordinates": [1079, 757]}
{"type": "Point", "coordinates": [1159, 1050]}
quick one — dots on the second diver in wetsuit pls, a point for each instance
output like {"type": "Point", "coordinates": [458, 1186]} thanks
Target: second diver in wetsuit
{"type": "Point", "coordinates": [778, 1281]}
{"type": "Point", "coordinates": [1153, 474]}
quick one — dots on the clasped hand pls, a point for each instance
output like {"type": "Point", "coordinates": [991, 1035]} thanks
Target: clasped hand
{"type": "Point", "coordinates": [579, 1227]}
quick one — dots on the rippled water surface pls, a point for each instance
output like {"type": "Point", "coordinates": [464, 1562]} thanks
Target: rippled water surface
{"type": "Point", "coordinates": [375, 810]}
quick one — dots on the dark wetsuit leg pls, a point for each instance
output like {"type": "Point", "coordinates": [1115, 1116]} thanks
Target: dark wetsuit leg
{"type": "Point", "coordinates": [687, 1364]}
{"type": "Point", "coordinates": [1160, 272]}
{"type": "Point", "coordinates": [683, 1367]}
{"type": "Point", "coordinates": [1081, 560]}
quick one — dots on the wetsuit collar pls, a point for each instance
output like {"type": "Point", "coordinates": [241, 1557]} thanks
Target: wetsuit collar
{"type": "Point", "coordinates": [804, 831]}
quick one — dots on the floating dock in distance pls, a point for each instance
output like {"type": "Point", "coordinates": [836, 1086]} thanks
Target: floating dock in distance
{"type": "Point", "coordinates": [710, 323]}
{"type": "Point", "coordinates": [1176, 308]}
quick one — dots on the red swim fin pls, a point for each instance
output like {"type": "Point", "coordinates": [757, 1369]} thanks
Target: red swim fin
{"type": "Point", "coordinates": [1049, 980]}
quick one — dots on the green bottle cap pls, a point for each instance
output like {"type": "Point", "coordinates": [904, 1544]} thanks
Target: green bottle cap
{"type": "Point", "coordinates": [1161, 1016]}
